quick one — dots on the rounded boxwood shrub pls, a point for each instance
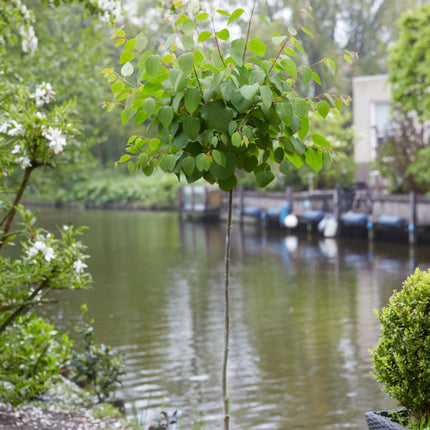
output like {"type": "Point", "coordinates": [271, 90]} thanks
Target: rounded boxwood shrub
{"type": "Point", "coordinates": [401, 358]}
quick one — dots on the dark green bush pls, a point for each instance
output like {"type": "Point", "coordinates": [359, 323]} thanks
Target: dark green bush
{"type": "Point", "coordinates": [401, 358]}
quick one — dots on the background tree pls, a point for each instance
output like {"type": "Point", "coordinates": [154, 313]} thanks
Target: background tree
{"type": "Point", "coordinates": [409, 63]}
{"type": "Point", "coordinates": [401, 154]}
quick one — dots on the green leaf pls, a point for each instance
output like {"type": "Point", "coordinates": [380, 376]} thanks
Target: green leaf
{"type": "Point", "coordinates": [188, 26]}
{"type": "Point", "coordinates": [216, 115]}
{"type": "Point", "coordinates": [306, 74]}
{"type": "Point", "coordinates": [152, 64]}
{"type": "Point", "coordinates": [219, 157]}
{"type": "Point", "coordinates": [290, 67]}
{"type": "Point", "coordinates": [143, 159]}
{"type": "Point", "coordinates": [203, 162]}
{"type": "Point", "coordinates": [298, 145]}
{"type": "Point", "coordinates": [298, 46]}
{"type": "Point", "coordinates": [130, 45]}
{"type": "Point", "coordinates": [267, 96]}
{"type": "Point", "coordinates": [203, 36]}
{"type": "Point", "coordinates": [304, 127]}
{"type": "Point", "coordinates": [127, 69]}
{"type": "Point", "coordinates": [316, 78]}
{"type": "Point", "coordinates": [223, 12]}
{"type": "Point", "coordinates": [264, 178]}
{"type": "Point", "coordinates": [124, 158]}
{"type": "Point", "coordinates": [148, 105]}
{"type": "Point", "coordinates": [347, 58]}
{"type": "Point", "coordinates": [301, 106]}
{"type": "Point", "coordinates": [323, 108]}
{"type": "Point", "coordinates": [314, 159]}
{"type": "Point", "coordinates": [257, 47]}
{"type": "Point", "coordinates": [188, 165]}
{"type": "Point", "coordinates": [331, 65]}
{"type": "Point", "coordinates": [295, 159]}
{"type": "Point", "coordinates": [188, 42]}
{"type": "Point", "coordinates": [193, 7]}
{"type": "Point", "coordinates": [338, 104]}
{"type": "Point", "coordinates": [239, 102]}
{"type": "Point", "coordinates": [192, 99]}
{"type": "Point", "coordinates": [165, 115]}
{"type": "Point", "coordinates": [202, 17]}
{"type": "Point", "coordinates": [249, 91]}
{"type": "Point", "coordinates": [305, 30]}
{"type": "Point", "coordinates": [285, 112]}
{"type": "Point", "coordinates": [125, 57]}
{"type": "Point", "coordinates": [168, 162]}
{"type": "Point", "coordinates": [141, 42]}
{"type": "Point", "coordinates": [186, 62]}
{"type": "Point", "coordinates": [235, 15]}
{"type": "Point", "coordinates": [236, 50]}
{"type": "Point", "coordinates": [321, 141]}
{"type": "Point", "coordinates": [223, 34]}
{"type": "Point", "coordinates": [154, 144]}
{"type": "Point", "coordinates": [131, 167]}
{"type": "Point", "coordinates": [227, 184]}
{"type": "Point", "coordinates": [250, 163]}
{"type": "Point", "coordinates": [192, 127]}
{"type": "Point", "coordinates": [236, 139]}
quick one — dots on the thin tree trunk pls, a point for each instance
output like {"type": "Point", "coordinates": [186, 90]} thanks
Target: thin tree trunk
{"type": "Point", "coordinates": [11, 214]}
{"type": "Point", "coordinates": [226, 400]}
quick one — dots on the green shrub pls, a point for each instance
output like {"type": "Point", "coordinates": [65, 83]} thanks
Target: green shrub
{"type": "Point", "coordinates": [401, 358]}
{"type": "Point", "coordinates": [97, 368]}
{"type": "Point", "coordinates": [32, 353]}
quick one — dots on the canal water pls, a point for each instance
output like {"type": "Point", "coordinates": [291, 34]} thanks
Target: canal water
{"type": "Point", "coordinates": [302, 318]}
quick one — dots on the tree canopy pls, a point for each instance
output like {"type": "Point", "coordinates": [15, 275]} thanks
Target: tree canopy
{"type": "Point", "coordinates": [409, 63]}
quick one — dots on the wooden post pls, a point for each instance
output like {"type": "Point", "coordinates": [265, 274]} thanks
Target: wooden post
{"type": "Point", "coordinates": [241, 204]}
{"type": "Point", "coordinates": [412, 217]}
{"type": "Point", "coordinates": [290, 197]}
{"type": "Point", "coordinates": [337, 209]}
{"type": "Point", "coordinates": [180, 201]}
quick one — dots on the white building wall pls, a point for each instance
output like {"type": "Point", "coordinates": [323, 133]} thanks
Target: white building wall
{"type": "Point", "coordinates": [370, 96]}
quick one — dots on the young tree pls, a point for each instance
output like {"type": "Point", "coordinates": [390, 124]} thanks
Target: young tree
{"type": "Point", "coordinates": [219, 105]}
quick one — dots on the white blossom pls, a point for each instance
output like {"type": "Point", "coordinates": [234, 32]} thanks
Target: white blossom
{"type": "Point", "coordinates": [16, 129]}
{"type": "Point", "coordinates": [4, 127]}
{"type": "Point", "coordinates": [109, 8]}
{"type": "Point", "coordinates": [25, 13]}
{"type": "Point", "coordinates": [24, 161]}
{"type": "Point", "coordinates": [56, 140]}
{"type": "Point", "coordinates": [29, 39]}
{"type": "Point", "coordinates": [41, 247]}
{"type": "Point", "coordinates": [43, 94]}
{"type": "Point", "coordinates": [16, 149]}
{"type": "Point", "coordinates": [79, 266]}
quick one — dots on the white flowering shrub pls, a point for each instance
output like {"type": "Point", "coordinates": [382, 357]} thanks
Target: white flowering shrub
{"type": "Point", "coordinates": [35, 133]}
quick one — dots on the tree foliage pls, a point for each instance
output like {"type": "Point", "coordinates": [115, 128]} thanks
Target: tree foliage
{"type": "Point", "coordinates": [409, 63]}
{"type": "Point", "coordinates": [217, 103]}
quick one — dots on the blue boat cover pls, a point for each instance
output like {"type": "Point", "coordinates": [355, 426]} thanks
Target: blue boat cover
{"type": "Point", "coordinates": [355, 219]}
{"type": "Point", "coordinates": [313, 216]}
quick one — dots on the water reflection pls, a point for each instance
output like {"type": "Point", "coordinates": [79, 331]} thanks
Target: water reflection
{"type": "Point", "coordinates": [302, 317]}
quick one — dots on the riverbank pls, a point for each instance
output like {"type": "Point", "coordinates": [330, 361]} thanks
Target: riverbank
{"type": "Point", "coordinates": [64, 406]}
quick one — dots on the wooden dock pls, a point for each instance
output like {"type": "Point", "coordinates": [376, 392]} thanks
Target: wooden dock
{"type": "Point", "coordinates": [364, 214]}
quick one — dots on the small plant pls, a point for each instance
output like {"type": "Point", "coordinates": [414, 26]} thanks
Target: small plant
{"type": "Point", "coordinates": [32, 354]}
{"type": "Point", "coordinates": [97, 368]}
{"type": "Point", "coordinates": [401, 358]}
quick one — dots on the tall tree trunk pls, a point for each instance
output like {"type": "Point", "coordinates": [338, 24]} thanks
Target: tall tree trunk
{"type": "Point", "coordinates": [226, 400]}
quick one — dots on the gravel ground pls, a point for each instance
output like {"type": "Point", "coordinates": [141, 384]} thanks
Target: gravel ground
{"type": "Point", "coordinates": [31, 417]}
{"type": "Point", "coordinates": [64, 407]}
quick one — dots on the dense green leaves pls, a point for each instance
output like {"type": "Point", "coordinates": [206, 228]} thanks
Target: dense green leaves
{"type": "Point", "coordinates": [220, 107]}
